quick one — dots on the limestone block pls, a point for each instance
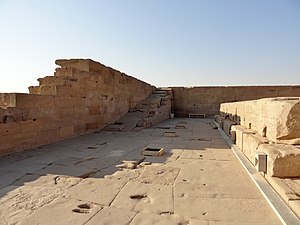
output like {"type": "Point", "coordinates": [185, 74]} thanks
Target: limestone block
{"type": "Point", "coordinates": [251, 142]}
{"type": "Point", "coordinates": [35, 90]}
{"type": "Point", "coordinates": [30, 126]}
{"type": "Point", "coordinates": [66, 131]}
{"type": "Point", "coordinates": [218, 119]}
{"type": "Point", "coordinates": [288, 124]}
{"type": "Point", "coordinates": [278, 119]}
{"type": "Point", "coordinates": [112, 215]}
{"type": "Point", "coordinates": [101, 191]}
{"type": "Point", "coordinates": [227, 126]}
{"type": "Point", "coordinates": [63, 211]}
{"type": "Point", "coordinates": [80, 64]}
{"type": "Point", "coordinates": [91, 126]}
{"type": "Point", "coordinates": [233, 135]}
{"type": "Point", "coordinates": [7, 100]}
{"type": "Point", "coordinates": [69, 91]}
{"type": "Point", "coordinates": [48, 90]}
{"type": "Point", "coordinates": [283, 160]}
{"type": "Point", "coordinates": [295, 205]}
{"type": "Point", "coordinates": [64, 72]}
{"type": "Point", "coordinates": [244, 211]}
{"type": "Point", "coordinates": [287, 188]}
{"type": "Point", "coordinates": [163, 219]}
{"type": "Point", "coordinates": [240, 131]}
{"type": "Point", "coordinates": [289, 191]}
{"type": "Point", "coordinates": [28, 101]}
{"type": "Point", "coordinates": [79, 128]}
{"type": "Point", "coordinates": [154, 198]}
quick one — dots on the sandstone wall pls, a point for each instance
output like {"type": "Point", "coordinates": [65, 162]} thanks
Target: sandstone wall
{"type": "Point", "coordinates": [81, 97]}
{"type": "Point", "coordinates": [207, 100]}
{"type": "Point", "coordinates": [278, 119]}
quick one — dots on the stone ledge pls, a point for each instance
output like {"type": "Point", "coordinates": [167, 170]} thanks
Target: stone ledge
{"type": "Point", "coordinates": [274, 118]}
{"type": "Point", "coordinates": [240, 131]}
{"type": "Point", "coordinates": [251, 142]}
{"type": "Point", "coordinates": [289, 191]}
{"type": "Point", "coordinates": [227, 124]}
{"type": "Point", "coordinates": [283, 160]}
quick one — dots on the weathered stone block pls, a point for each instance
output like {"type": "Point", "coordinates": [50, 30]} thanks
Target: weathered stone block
{"type": "Point", "coordinates": [66, 131]}
{"type": "Point", "coordinates": [227, 126]}
{"type": "Point", "coordinates": [278, 119]}
{"type": "Point", "coordinates": [79, 64]}
{"type": "Point", "coordinates": [283, 160]}
{"type": "Point", "coordinates": [240, 131]}
{"type": "Point", "coordinates": [7, 100]}
{"type": "Point", "coordinates": [218, 119]}
{"type": "Point", "coordinates": [251, 143]}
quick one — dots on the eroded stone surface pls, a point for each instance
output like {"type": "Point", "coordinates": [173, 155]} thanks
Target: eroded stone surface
{"type": "Point", "coordinates": [100, 191]}
{"type": "Point", "coordinates": [147, 198]}
{"type": "Point", "coordinates": [63, 211]}
{"type": "Point", "coordinates": [224, 209]}
{"type": "Point", "coordinates": [159, 175]}
{"type": "Point", "coordinates": [112, 215]}
{"type": "Point", "coordinates": [164, 218]}
{"type": "Point", "coordinates": [21, 201]}
{"type": "Point", "coordinates": [278, 119]}
{"type": "Point", "coordinates": [283, 160]}
{"type": "Point", "coordinates": [82, 96]}
{"type": "Point", "coordinates": [160, 190]}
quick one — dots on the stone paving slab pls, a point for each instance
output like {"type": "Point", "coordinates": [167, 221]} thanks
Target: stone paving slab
{"type": "Point", "coordinates": [150, 219]}
{"type": "Point", "coordinates": [176, 188]}
{"type": "Point", "coordinates": [20, 202]}
{"type": "Point", "coordinates": [163, 175]}
{"type": "Point", "coordinates": [222, 155]}
{"type": "Point", "coordinates": [215, 189]}
{"type": "Point", "coordinates": [197, 154]}
{"type": "Point", "coordinates": [9, 177]}
{"type": "Point", "coordinates": [112, 215]}
{"type": "Point", "coordinates": [63, 211]}
{"type": "Point", "coordinates": [100, 191]}
{"type": "Point", "coordinates": [225, 209]}
{"type": "Point", "coordinates": [147, 198]}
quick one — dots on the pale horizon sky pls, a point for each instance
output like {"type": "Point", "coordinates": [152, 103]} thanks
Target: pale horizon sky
{"type": "Point", "coordinates": [164, 43]}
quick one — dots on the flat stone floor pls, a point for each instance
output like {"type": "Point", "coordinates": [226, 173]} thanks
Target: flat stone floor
{"type": "Point", "coordinates": [102, 178]}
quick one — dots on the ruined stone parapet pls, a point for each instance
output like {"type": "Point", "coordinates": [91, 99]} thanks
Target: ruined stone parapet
{"type": "Point", "coordinates": [278, 119]}
{"type": "Point", "coordinates": [283, 160]}
{"type": "Point", "coordinates": [268, 127]}
{"type": "Point", "coordinates": [81, 97]}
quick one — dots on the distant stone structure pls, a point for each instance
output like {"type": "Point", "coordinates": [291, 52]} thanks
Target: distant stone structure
{"type": "Point", "coordinates": [207, 100]}
{"type": "Point", "coordinates": [84, 96]}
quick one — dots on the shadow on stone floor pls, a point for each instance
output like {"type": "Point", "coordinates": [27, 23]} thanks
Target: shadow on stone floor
{"type": "Point", "coordinates": [32, 179]}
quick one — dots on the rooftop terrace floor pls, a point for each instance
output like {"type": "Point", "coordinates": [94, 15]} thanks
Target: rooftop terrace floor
{"type": "Point", "coordinates": [102, 178]}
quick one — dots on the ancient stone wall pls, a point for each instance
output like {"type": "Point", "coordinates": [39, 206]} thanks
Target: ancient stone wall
{"type": "Point", "coordinates": [270, 126]}
{"type": "Point", "coordinates": [81, 97]}
{"type": "Point", "coordinates": [207, 100]}
{"type": "Point", "coordinates": [278, 119]}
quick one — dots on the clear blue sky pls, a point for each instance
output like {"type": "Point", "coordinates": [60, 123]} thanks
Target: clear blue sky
{"type": "Point", "coordinates": [163, 42]}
